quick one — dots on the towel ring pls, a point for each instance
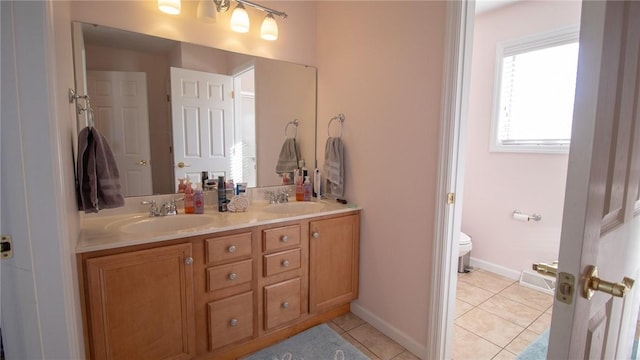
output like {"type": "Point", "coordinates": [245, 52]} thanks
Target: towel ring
{"type": "Point", "coordinates": [80, 109]}
{"type": "Point", "coordinates": [295, 128]}
{"type": "Point", "coordinates": [340, 118]}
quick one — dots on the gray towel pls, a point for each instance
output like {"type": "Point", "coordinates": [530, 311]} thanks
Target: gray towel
{"type": "Point", "coordinates": [334, 167]}
{"type": "Point", "coordinates": [98, 176]}
{"type": "Point", "coordinates": [289, 156]}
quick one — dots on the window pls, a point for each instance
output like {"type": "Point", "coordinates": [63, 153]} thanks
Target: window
{"type": "Point", "coordinates": [535, 87]}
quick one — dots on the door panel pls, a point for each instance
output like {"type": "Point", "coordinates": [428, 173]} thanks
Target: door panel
{"type": "Point", "coordinates": [202, 111]}
{"type": "Point", "coordinates": [599, 226]}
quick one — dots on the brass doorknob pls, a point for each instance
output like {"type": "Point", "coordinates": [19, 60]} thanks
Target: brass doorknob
{"type": "Point", "coordinates": [182, 165]}
{"type": "Point", "coordinates": [142, 162]}
{"type": "Point", "coordinates": [547, 269]}
{"type": "Point", "coordinates": [593, 283]}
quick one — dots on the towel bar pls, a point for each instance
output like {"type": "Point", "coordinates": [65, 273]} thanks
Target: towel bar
{"type": "Point", "coordinates": [340, 118]}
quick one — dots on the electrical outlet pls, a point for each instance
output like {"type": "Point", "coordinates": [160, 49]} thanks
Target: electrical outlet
{"type": "Point", "coordinates": [6, 247]}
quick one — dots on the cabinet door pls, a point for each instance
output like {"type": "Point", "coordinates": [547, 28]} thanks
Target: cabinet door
{"type": "Point", "coordinates": [141, 304]}
{"type": "Point", "coordinates": [334, 247]}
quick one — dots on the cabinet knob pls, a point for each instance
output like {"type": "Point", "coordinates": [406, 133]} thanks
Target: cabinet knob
{"type": "Point", "coordinates": [188, 260]}
{"type": "Point", "coordinates": [285, 305]}
{"type": "Point", "coordinates": [284, 238]}
{"type": "Point", "coordinates": [232, 248]}
{"type": "Point", "coordinates": [233, 322]}
{"type": "Point", "coordinates": [315, 234]}
{"type": "Point", "coordinates": [233, 276]}
{"type": "Point", "coordinates": [285, 263]}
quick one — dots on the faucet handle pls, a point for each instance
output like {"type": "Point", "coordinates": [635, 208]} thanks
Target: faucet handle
{"type": "Point", "coordinates": [153, 209]}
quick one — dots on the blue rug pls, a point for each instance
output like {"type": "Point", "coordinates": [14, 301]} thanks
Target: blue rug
{"type": "Point", "coordinates": [317, 343]}
{"type": "Point", "coordinates": [537, 350]}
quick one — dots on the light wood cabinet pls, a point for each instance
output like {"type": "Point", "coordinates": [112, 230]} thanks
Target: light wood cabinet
{"type": "Point", "coordinates": [141, 304]}
{"type": "Point", "coordinates": [222, 295]}
{"type": "Point", "coordinates": [333, 261]}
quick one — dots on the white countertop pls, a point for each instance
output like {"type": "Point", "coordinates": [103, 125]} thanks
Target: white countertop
{"type": "Point", "coordinates": [100, 232]}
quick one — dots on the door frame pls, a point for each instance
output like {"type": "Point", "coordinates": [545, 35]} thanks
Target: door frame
{"type": "Point", "coordinates": [455, 98]}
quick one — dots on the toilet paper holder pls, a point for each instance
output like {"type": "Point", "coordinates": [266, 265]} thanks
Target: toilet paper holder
{"type": "Point", "coordinates": [525, 217]}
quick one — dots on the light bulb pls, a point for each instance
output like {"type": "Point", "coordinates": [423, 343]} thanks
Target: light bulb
{"type": "Point", "coordinates": [171, 7]}
{"type": "Point", "coordinates": [269, 29]}
{"type": "Point", "coordinates": [240, 19]}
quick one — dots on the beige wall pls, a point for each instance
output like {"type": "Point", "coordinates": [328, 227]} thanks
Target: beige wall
{"type": "Point", "coordinates": [380, 63]}
{"type": "Point", "coordinates": [498, 183]}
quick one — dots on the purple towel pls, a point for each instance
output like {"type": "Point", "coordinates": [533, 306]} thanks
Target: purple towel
{"type": "Point", "coordinates": [98, 176]}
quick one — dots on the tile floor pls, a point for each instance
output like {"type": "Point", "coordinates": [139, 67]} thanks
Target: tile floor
{"type": "Point", "coordinates": [496, 318]}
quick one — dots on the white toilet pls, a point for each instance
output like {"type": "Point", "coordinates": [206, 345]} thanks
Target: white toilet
{"type": "Point", "coordinates": [464, 252]}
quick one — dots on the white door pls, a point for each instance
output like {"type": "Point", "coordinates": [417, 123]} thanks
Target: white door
{"type": "Point", "coordinates": [202, 117]}
{"type": "Point", "coordinates": [601, 222]}
{"type": "Point", "coordinates": [119, 101]}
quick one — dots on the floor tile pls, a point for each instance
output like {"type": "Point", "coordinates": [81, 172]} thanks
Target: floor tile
{"type": "Point", "coordinates": [348, 321]}
{"type": "Point", "coordinates": [530, 297]}
{"type": "Point", "coordinates": [462, 307]}
{"type": "Point", "coordinates": [487, 280]}
{"type": "Point", "coordinates": [522, 341]}
{"type": "Point", "coordinates": [335, 327]}
{"type": "Point", "coordinates": [541, 324]}
{"type": "Point", "coordinates": [378, 343]}
{"type": "Point", "coordinates": [505, 355]}
{"type": "Point", "coordinates": [491, 327]}
{"type": "Point", "coordinates": [363, 349]}
{"type": "Point", "coordinates": [510, 310]}
{"type": "Point", "coordinates": [406, 355]}
{"type": "Point", "coordinates": [467, 345]}
{"type": "Point", "coordinates": [472, 294]}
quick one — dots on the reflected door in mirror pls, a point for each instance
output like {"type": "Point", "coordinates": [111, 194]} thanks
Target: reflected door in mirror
{"type": "Point", "coordinates": [119, 100]}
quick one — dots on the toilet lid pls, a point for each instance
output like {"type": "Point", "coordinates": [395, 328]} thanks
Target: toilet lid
{"type": "Point", "coordinates": [464, 239]}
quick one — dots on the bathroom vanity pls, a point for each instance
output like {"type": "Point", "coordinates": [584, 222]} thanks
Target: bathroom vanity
{"type": "Point", "coordinates": [220, 288]}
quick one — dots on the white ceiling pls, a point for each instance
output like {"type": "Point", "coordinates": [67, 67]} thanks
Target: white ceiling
{"type": "Point", "coordinates": [486, 5]}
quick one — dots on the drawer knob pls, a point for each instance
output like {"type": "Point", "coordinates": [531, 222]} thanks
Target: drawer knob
{"type": "Point", "coordinates": [188, 260]}
{"type": "Point", "coordinates": [285, 263]}
{"type": "Point", "coordinates": [285, 305]}
{"type": "Point", "coordinates": [233, 322]}
{"type": "Point", "coordinates": [315, 234]}
{"type": "Point", "coordinates": [232, 249]}
{"type": "Point", "coordinates": [233, 276]}
{"type": "Point", "coordinates": [284, 238]}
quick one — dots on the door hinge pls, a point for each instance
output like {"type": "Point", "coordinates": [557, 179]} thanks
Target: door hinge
{"type": "Point", "coordinates": [6, 247]}
{"type": "Point", "coordinates": [451, 198]}
{"type": "Point", "coordinates": [233, 94]}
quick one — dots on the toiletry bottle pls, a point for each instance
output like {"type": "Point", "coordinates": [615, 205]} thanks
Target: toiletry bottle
{"type": "Point", "coordinates": [222, 194]}
{"type": "Point", "coordinates": [317, 183]}
{"type": "Point", "coordinates": [307, 188]}
{"type": "Point", "coordinates": [181, 186]}
{"type": "Point", "coordinates": [188, 199]}
{"type": "Point", "coordinates": [299, 188]}
{"type": "Point", "coordinates": [198, 202]}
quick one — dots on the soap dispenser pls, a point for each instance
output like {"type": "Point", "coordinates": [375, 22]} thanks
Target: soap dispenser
{"type": "Point", "coordinates": [299, 187]}
{"type": "Point", "coordinates": [188, 199]}
{"type": "Point", "coordinates": [307, 188]}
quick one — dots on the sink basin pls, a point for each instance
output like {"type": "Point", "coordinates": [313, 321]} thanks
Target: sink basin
{"type": "Point", "coordinates": [294, 207]}
{"type": "Point", "coordinates": [160, 224]}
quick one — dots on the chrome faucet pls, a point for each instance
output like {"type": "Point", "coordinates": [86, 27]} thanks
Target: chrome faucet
{"type": "Point", "coordinates": [277, 197]}
{"type": "Point", "coordinates": [168, 208]}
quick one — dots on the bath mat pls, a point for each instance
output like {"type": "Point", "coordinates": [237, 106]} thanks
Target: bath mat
{"type": "Point", "coordinates": [537, 350]}
{"type": "Point", "coordinates": [317, 343]}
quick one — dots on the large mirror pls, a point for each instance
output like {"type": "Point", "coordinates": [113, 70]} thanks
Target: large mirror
{"type": "Point", "coordinates": [171, 110]}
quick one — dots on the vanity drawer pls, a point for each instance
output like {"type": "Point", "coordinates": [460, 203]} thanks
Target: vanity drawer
{"type": "Point", "coordinates": [224, 276]}
{"type": "Point", "coordinates": [282, 303]}
{"type": "Point", "coordinates": [230, 320]}
{"type": "Point", "coordinates": [281, 262]}
{"type": "Point", "coordinates": [226, 248]}
{"type": "Point", "coordinates": [281, 237]}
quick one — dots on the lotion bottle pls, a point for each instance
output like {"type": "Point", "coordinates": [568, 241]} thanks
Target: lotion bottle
{"type": "Point", "coordinates": [198, 201]}
{"type": "Point", "coordinates": [307, 188]}
{"type": "Point", "coordinates": [299, 187]}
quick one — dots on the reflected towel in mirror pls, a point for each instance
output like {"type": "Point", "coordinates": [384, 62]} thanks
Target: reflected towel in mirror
{"type": "Point", "coordinates": [289, 156]}
{"type": "Point", "coordinates": [334, 167]}
{"type": "Point", "coordinates": [98, 177]}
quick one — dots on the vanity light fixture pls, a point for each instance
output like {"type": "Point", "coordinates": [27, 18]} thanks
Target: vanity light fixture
{"type": "Point", "coordinates": [171, 7]}
{"type": "Point", "coordinates": [240, 18]}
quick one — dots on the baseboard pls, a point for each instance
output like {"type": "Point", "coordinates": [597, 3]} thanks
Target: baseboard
{"type": "Point", "coordinates": [496, 269]}
{"type": "Point", "coordinates": [390, 331]}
